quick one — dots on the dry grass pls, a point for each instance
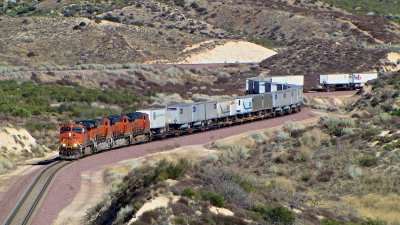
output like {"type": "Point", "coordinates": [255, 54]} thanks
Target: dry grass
{"type": "Point", "coordinates": [376, 206]}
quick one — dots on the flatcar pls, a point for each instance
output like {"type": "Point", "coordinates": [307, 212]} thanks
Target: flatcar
{"type": "Point", "coordinates": [86, 137]}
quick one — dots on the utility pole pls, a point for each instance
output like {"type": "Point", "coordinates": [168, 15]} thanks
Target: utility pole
{"type": "Point", "coordinates": [5, 4]}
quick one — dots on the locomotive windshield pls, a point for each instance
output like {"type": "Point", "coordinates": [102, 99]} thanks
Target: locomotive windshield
{"type": "Point", "coordinates": [77, 130]}
{"type": "Point", "coordinates": [65, 129]}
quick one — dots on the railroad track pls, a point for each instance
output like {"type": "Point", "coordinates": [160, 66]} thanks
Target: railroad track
{"type": "Point", "coordinates": [27, 205]}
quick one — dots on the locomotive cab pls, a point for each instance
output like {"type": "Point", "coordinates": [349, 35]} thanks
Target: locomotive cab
{"type": "Point", "coordinates": [72, 137]}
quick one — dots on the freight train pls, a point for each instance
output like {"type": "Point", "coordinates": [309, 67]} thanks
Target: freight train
{"type": "Point", "coordinates": [352, 81]}
{"type": "Point", "coordinates": [327, 82]}
{"type": "Point", "coordinates": [85, 137]}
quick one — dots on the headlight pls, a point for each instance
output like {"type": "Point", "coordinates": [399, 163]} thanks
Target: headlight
{"type": "Point", "coordinates": [64, 145]}
{"type": "Point", "coordinates": [75, 145]}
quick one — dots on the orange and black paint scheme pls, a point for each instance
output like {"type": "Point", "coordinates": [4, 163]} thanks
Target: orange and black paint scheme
{"type": "Point", "coordinates": [86, 137]}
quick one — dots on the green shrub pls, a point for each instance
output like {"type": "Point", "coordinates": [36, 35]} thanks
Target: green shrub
{"type": "Point", "coordinates": [374, 222]}
{"type": "Point", "coordinates": [29, 98]}
{"type": "Point", "coordinates": [368, 160]}
{"type": "Point", "coordinates": [281, 136]}
{"type": "Point", "coordinates": [180, 220]}
{"type": "Point", "coordinates": [354, 172]}
{"type": "Point", "coordinates": [245, 183]}
{"type": "Point", "coordinates": [346, 131]}
{"type": "Point", "coordinates": [396, 112]}
{"type": "Point", "coordinates": [166, 170]}
{"type": "Point", "coordinates": [5, 165]}
{"type": "Point", "coordinates": [330, 222]}
{"type": "Point", "coordinates": [188, 192]}
{"type": "Point", "coordinates": [180, 3]}
{"type": "Point", "coordinates": [235, 153]}
{"type": "Point", "coordinates": [124, 215]}
{"type": "Point", "coordinates": [214, 198]}
{"type": "Point", "coordinates": [370, 133]}
{"type": "Point", "coordinates": [275, 214]}
{"type": "Point", "coordinates": [294, 129]}
{"type": "Point", "coordinates": [34, 125]}
{"type": "Point", "coordinates": [258, 137]}
{"type": "Point", "coordinates": [336, 125]}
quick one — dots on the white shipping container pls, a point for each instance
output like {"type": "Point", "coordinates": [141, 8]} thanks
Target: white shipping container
{"type": "Point", "coordinates": [295, 79]}
{"type": "Point", "coordinates": [244, 105]}
{"type": "Point", "coordinates": [360, 78]}
{"type": "Point", "coordinates": [156, 117]}
{"type": "Point", "coordinates": [335, 79]}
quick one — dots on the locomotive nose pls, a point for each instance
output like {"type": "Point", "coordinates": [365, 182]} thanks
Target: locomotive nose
{"type": "Point", "coordinates": [69, 142]}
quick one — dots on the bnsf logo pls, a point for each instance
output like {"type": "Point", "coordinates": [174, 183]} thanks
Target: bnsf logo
{"type": "Point", "coordinates": [358, 77]}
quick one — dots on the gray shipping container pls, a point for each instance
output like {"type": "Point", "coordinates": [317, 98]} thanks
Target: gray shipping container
{"type": "Point", "coordinates": [267, 101]}
{"type": "Point", "coordinates": [226, 108]}
{"type": "Point", "coordinates": [281, 98]}
{"type": "Point", "coordinates": [211, 110]}
{"type": "Point", "coordinates": [179, 114]}
{"type": "Point", "coordinates": [257, 102]}
{"type": "Point", "coordinates": [198, 111]}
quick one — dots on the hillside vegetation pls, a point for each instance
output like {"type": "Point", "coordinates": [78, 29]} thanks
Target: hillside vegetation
{"type": "Point", "coordinates": [39, 108]}
{"type": "Point", "coordinates": [345, 170]}
{"type": "Point", "coordinates": [389, 9]}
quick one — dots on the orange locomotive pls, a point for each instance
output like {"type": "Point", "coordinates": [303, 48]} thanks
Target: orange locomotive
{"type": "Point", "coordinates": [89, 136]}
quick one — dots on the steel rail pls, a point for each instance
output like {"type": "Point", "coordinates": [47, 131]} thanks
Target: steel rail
{"type": "Point", "coordinates": [19, 215]}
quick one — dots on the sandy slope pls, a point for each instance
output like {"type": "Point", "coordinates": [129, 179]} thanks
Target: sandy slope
{"type": "Point", "coordinates": [231, 52]}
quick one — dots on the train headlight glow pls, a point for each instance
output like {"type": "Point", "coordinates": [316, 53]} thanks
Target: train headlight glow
{"type": "Point", "coordinates": [64, 145]}
{"type": "Point", "coordinates": [75, 145]}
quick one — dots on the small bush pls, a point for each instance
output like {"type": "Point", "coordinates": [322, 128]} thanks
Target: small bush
{"type": "Point", "coordinates": [382, 117]}
{"type": "Point", "coordinates": [346, 131]}
{"type": "Point", "coordinates": [294, 129]}
{"type": "Point", "coordinates": [276, 214]}
{"type": "Point", "coordinates": [313, 138]}
{"type": "Point", "coordinates": [234, 153]}
{"type": "Point", "coordinates": [214, 198]}
{"type": "Point", "coordinates": [396, 112]}
{"type": "Point", "coordinates": [188, 192]}
{"type": "Point", "coordinates": [166, 170]}
{"type": "Point", "coordinates": [330, 222]}
{"type": "Point", "coordinates": [180, 220]}
{"type": "Point", "coordinates": [180, 3]}
{"type": "Point", "coordinates": [335, 125]}
{"type": "Point", "coordinates": [5, 165]}
{"type": "Point", "coordinates": [354, 172]}
{"type": "Point", "coordinates": [325, 175]}
{"type": "Point", "coordinates": [368, 160]}
{"type": "Point", "coordinates": [258, 137]}
{"type": "Point", "coordinates": [370, 133]}
{"type": "Point", "coordinates": [374, 222]}
{"type": "Point", "coordinates": [212, 158]}
{"type": "Point", "coordinates": [281, 136]}
{"type": "Point", "coordinates": [245, 183]}
{"type": "Point", "coordinates": [124, 214]}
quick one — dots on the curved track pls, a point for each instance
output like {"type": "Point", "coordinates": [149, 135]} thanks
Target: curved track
{"type": "Point", "coordinates": [23, 212]}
